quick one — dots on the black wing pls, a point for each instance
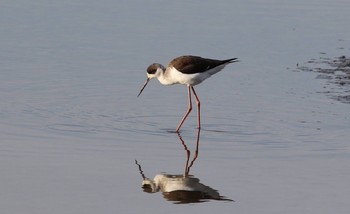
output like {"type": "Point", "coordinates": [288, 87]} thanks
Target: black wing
{"type": "Point", "coordinates": [196, 64]}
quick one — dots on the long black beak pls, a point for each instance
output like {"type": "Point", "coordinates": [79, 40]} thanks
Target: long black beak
{"type": "Point", "coordinates": [148, 79]}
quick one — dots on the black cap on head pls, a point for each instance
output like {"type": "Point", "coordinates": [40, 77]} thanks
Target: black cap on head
{"type": "Point", "coordinates": [152, 69]}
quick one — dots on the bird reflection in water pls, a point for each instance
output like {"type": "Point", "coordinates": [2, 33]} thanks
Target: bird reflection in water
{"type": "Point", "coordinates": [181, 188]}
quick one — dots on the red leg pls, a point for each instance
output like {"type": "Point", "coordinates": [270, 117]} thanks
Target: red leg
{"type": "Point", "coordinates": [198, 106]}
{"type": "Point", "coordinates": [196, 152]}
{"type": "Point", "coordinates": [188, 155]}
{"type": "Point", "coordinates": [189, 108]}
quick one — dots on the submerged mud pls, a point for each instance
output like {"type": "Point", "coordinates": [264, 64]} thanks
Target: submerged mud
{"type": "Point", "coordinates": [337, 73]}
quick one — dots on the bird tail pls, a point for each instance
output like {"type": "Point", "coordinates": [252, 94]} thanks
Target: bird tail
{"type": "Point", "coordinates": [231, 60]}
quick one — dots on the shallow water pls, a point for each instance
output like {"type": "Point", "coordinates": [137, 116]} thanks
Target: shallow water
{"type": "Point", "coordinates": [71, 125]}
{"type": "Point", "coordinates": [337, 73]}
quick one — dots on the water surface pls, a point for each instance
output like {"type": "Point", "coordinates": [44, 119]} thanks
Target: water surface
{"type": "Point", "coordinates": [71, 125]}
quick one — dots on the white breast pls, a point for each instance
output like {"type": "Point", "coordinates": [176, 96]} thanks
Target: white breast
{"type": "Point", "coordinates": [173, 76]}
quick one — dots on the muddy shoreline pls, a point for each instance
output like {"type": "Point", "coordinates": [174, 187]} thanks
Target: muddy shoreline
{"type": "Point", "coordinates": [337, 73]}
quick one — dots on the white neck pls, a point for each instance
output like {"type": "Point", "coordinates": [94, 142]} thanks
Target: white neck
{"type": "Point", "coordinates": [164, 77]}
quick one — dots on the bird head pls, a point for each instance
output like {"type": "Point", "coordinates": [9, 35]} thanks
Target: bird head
{"type": "Point", "coordinates": [153, 71]}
